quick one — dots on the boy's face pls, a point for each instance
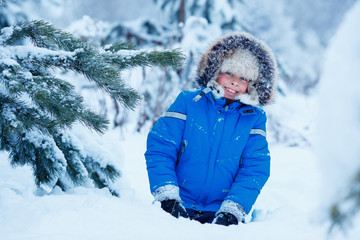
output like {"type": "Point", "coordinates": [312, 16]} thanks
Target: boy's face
{"type": "Point", "coordinates": [233, 85]}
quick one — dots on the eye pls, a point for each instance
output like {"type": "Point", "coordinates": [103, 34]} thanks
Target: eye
{"type": "Point", "coordinates": [244, 79]}
{"type": "Point", "coordinates": [229, 73]}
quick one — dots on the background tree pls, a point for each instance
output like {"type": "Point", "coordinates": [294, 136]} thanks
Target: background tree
{"type": "Point", "coordinates": [192, 25]}
{"type": "Point", "coordinates": [38, 109]}
{"type": "Point", "coordinates": [339, 154]}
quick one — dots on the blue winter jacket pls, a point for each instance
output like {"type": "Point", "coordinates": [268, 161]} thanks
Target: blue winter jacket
{"type": "Point", "coordinates": [211, 151]}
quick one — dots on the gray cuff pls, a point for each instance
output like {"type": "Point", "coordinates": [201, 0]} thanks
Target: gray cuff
{"type": "Point", "coordinates": [167, 192]}
{"type": "Point", "coordinates": [234, 208]}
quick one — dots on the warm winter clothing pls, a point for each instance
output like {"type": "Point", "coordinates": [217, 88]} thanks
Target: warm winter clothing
{"type": "Point", "coordinates": [210, 155]}
{"type": "Point", "coordinates": [215, 154]}
{"type": "Point", "coordinates": [226, 219]}
{"type": "Point", "coordinates": [249, 67]}
{"type": "Point", "coordinates": [175, 208]}
{"type": "Point", "coordinates": [201, 216]}
{"type": "Point", "coordinates": [260, 90]}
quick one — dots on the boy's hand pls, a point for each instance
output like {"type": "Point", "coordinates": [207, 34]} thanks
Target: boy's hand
{"type": "Point", "coordinates": [226, 219]}
{"type": "Point", "coordinates": [175, 208]}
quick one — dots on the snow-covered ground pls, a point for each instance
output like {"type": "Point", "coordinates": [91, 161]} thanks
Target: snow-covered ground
{"type": "Point", "coordinates": [284, 210]}
{"type": "Point", "coordinates": [289, 206]}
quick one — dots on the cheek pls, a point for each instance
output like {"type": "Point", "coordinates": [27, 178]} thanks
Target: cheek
{"type": "Point", "coordinates": [221, 80]}
{"type": "Point", "coordinates": [243, 87]}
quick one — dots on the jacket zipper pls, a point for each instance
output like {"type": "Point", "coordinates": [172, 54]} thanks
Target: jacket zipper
{"type": "Point", "coordinates": [208, 179]}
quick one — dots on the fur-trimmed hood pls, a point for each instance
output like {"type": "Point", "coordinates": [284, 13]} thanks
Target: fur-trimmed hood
{"type": "Point", "coordinates": [261, 90]}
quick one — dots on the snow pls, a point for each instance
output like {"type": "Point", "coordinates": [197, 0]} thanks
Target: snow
{"type": "Point", "coordinates": [5, 34]}
{"type": "Point", "coordinates": [283, 208]}
{"type": "Point", "coordinates": [8, 54]}
{"type": "Point", "coordinates": [87, 26]}
{"type": "Point", "coordinates": [10, 116]}
{"type": "Point", "coordinates": [304, 179]}
{"type": "Point", "coordinates": [339, 123]}
{"type": "Point", "coordinates": [287, 208]}
{"type": "Point", "coordinates": [47, 143]}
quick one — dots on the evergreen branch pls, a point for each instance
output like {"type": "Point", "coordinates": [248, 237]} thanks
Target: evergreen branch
{"type": "Point", "coordinates": [115, 47]}
{"type": "Point", "coordinates": [41, 152]}
{"type": "Point", "coordinates": [125, 59]}
{"type": "Point", "coordinates": [60, 99]}
{"type": "Point", "coordinates": [75, 168]}
{"type": "Point", "coordinates": [11, 77]}
{"type": "Point", "coordinates": [44, 35]}
{"type": "Point", "coordinates": [56, 97]}
{"type": "Point", "coordinates": [17, 116]}
{"type": "Point", "coordinates": [101, 175]}
{"type": "Point", "coordinates": [86, 59]}
{"type": "Point", "coordinates": [90, 63]}
{"type": "Point", "coordinates": [106, 77]}
{"type": "Point", "coordinates": [92, 120]}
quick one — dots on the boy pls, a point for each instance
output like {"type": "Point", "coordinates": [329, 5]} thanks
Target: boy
{"type": "Point", "coordinates": [207, 156]}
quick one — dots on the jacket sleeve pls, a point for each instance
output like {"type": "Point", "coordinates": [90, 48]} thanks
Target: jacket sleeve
{"type": "Point", "coordinates": [254, 169]}
{"type": "Point", "coordinates": [163, 144]}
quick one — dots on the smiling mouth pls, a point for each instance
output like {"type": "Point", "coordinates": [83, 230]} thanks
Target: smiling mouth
{"type": "Point", "coordinates": [232, 91]}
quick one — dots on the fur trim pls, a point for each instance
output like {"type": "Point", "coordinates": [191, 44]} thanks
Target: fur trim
{"type": "Point", "coordinates": [251, 98]}
{"type": "Point", "coordinates": [218, 91]}
{"type": "Point", "coordinates": [167, 192]}
{"type": "Point", "coordinates": [261, 89]}
{"type": "Point", "coordinates": [241, 63]}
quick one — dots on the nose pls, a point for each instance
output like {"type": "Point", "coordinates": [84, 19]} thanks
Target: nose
{"type": "Point", "coordinates": [235, 83]}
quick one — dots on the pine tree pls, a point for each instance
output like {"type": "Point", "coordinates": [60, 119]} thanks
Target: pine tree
{"type": "Point", "coordinates": [160, 86]}
{"type": "Point", "coordinates": [38, 109]}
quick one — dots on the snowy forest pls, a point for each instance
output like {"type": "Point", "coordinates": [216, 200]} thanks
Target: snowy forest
{"type": "Point", "coordinates": [83, 82]}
